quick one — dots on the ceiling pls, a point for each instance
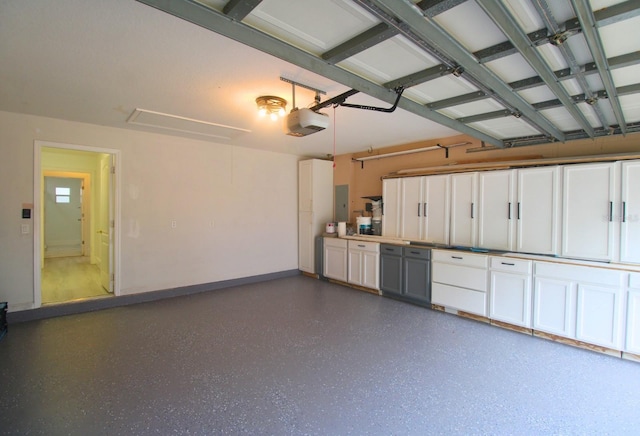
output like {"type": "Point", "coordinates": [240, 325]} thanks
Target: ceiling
{"type": "Point", "coordinates": [509, 73]}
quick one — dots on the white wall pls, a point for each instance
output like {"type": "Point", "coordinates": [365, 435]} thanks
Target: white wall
{"type": "Point", "coordinates": [235, 208]}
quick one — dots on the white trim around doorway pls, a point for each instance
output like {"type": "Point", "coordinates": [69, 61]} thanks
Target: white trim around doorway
{"type": "Point", "coordinates": [37, 207]}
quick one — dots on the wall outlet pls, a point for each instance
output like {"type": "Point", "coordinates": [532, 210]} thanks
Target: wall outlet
{"type": "Point", "coordinates": [174, 224]}
{"type": "Point", "coordinates": [24, 229]}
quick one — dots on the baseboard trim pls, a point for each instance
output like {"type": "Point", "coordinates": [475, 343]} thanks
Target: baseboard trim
{"type": "Point", "coordinates": [91, 305]}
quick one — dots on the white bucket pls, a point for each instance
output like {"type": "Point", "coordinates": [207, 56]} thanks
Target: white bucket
{"type": "Point", "coordinates": [364, 224]}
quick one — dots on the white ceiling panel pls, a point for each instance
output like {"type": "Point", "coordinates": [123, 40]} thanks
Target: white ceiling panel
{"type": "Point", "coordinates": [396, 57]}
{"type": "Point", "coordinates": [478, 31]}
{"type": "Point", "coordinates": [572, 86]}
{"type": "Point", "coordinates": [621, 38]}
{"type": "Point", "coordinates": [631, 108]}
{"type": "Point", "coordinates": [626, 76]}
{"type": "Point", "coordinates": [506, 127]}
{"type": "Point", "coordinates": [511, 68]}
{"type": "Point", "coordinates": [561, 118]}
{"type": "Point", "coordinates": [446, 87]}
{"type": "Point", "coordinates": [473, 108]}
{"type": "Point", "coordinates": [310, 25]}
{"type": "Point", "coordinates": [525, 14]}
{"type": "Point", "coordinates": [537, 94]}
{"type": "Point", "coordinates": [552, 56]}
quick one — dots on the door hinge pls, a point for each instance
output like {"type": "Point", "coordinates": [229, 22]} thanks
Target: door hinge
{"type": "Point", "coordinates": [113, 277]}
{"type": "Point", "coordinates": [113, 170]}
{"type": "Point", "coordinates": [112, 224]}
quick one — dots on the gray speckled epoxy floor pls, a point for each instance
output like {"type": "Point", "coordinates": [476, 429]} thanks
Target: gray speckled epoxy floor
{"type": "Point", "coordinates": [301, 356]}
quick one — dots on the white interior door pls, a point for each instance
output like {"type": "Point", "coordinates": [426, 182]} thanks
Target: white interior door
{"type": "Point", "coordinates": [63, 217]}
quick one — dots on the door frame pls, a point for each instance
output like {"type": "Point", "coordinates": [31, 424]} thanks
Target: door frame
{"type": "Point", "coordinates": [38, 205]}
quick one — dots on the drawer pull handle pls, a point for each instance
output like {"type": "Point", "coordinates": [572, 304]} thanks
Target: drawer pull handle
{"type": "Point", "coordinates": [424, 209]}
{"type": "Point", "coordinates": [509, 264]}
{"type": "Point", "coordinates": [509, 210]}
{"type": "Point", "coordinates": [361, 246]}
{"type": "Point", "coordinates": [610, 211]}
{"type": "Point", "coordinates": [624, 211]}
{"type": "Point", "coordinates": [415, 252]}
{"type": "Point", "coordinates": [389, 249]}
{"type": "Point", "coordinates": [418, 209]}
{"type": "Point", "coordinates": [456, 257]}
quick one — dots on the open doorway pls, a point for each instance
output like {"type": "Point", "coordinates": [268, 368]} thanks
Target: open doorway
{"type": "Point", "coordinates": [76, 245]}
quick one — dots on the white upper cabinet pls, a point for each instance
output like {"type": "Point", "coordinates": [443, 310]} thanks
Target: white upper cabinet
{"type": "Point", "coordinates": [464, 203]}
{"type": "Point", "coordinates": [537, 210]}
{"type": "Point", "coordinates": [630, 213]}
{"type": "Point", "coordinates": [411, 207]}
{"type": "Point", "coordinates": [436, 209]}
{"type": "Point", "coordinates": [588, 211]}
{"type": "Point", "coordinates": [391, 207]}
{"type": "Point", "coordinates": [496, 210]}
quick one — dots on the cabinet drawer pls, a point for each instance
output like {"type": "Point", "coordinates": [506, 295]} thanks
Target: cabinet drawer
{"type": "Point", "coordinates": [364, 246]}
{"type": "Point", "coordinates": [460, 258]}
{"type": "Point", "coordinates": [391, 250]}
{"type": "Point", "coordinates": [510, 264]}
{"type": "Point", "coordinates": [456, 275]}
{"type": "Point", "coordinates": [417, 253]}
{"type": "Point", "coordinates": [335, 242]}
{"type": "Point", "coordinates": [457, 298]}
{"type": "Point", "coordinates": [578, 273]}
{"type": "Point", "coordinates": [634, 280]}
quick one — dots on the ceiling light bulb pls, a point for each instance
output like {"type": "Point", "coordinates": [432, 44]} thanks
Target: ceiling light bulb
{"type": "Point", "coordinates": [274, 116]}
{"type": "Point", "coordinates": [262, 111]}
{"type": "Point", "coordinates": [281, 112]}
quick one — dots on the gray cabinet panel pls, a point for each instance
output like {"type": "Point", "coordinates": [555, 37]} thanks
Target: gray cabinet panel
{"type": "Point", "coordinates": [391, 269]}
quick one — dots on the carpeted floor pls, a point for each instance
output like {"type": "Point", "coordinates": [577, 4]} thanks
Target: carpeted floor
{"type": "Point", "coordinates": [300, 356]}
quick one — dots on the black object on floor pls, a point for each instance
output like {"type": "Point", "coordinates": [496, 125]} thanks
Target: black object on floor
{"type": "Point", "coordinates": [3, 319]}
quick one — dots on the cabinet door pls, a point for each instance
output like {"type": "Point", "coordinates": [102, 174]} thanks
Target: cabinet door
{"type": "Point", "coordinates": [306, 254]}
{"type": "Point", "coordinates": [391, 208]}
{"type": "Point", "coordinates": [355, 267]}
{"type": "Point", "coordinates": [411, 207]}
{"type": "Point", "coordinates": [537, 210]}
{"type": "Point", "coordinates": [554, 306]}
{"type": "Point", "coordinates": [510, 299]}
{"type": "Point", "coordinates": [630, 226]}
{"type": "Point", "coordinates": [587, 211]}
{"type": "Point", "coordinates": [370, 277]}
{"type": "Point", "coordinates": [436, 209]}
{"type": "Point", "coordinates": [305, 185]}
{"type": "Point", "coordinates": [633, 322]}
{"type": "Point", "coordinates": [335, 262]}
{"type": "Point", "coordinates": [463, 209]}
{"type": "Point", "coordinates": [599, 315]}
{"type": "Point", "coordinates": [417, 283]}
{"type": "Point", "coordinates": [496, 206]}
{"type": "Point", "coordinates": [390, 273]}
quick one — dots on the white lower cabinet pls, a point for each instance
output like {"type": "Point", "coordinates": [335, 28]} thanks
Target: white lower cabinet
{"type": "Point", "coordinates": [459, 281]}
{"type": "Point", "coordinates": [632, 343]}
{"type": "Point", "coordinates": [335, 258]}
{"type": "Point", "coordinates": [364, 258]}
{"type": "Point", "coordinates": [510, 290]}
{"type": "Point", "coordinates": [579, 302]}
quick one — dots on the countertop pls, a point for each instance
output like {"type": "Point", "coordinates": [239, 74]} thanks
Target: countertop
{"type": "Point", "coordinates": [538, 257]}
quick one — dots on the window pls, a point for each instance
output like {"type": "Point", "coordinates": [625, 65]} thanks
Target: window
{"type": "Point", "coordinates": [63, 195]}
